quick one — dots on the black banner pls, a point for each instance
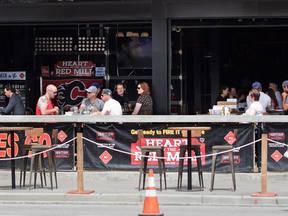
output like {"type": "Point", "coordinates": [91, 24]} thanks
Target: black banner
{"type": "Point", "coordinates": [64, 155]}
{"type": "Point", "coordinates": [125, 153]}
{"type": "Point", "coordinates": [276, 132]}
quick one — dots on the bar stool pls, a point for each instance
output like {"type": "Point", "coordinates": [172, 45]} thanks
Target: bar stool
{"type": "Point", "coordinates": [39, 165]}
{"type": "Point", "coordinates": [34, 134]}
{"type": "Point", "coordinates": [196, 149]}
{"type": "Point", "coordinates": [221, 148]}
{"type": "Point", "coordinates": [145, 151]}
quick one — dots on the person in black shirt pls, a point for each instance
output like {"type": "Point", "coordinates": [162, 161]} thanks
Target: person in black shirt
{"type": "Point", "coordinates": [120, 95]}
{"type": "Point", "coordinates": [15, 102]}
{"type": "Point", "coordinates": [224, 91]}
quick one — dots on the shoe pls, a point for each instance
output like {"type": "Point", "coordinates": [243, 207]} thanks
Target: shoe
{"type": "Point", "coordinates": [286, 154]}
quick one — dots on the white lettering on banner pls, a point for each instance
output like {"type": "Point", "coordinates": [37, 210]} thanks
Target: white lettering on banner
{"type": "Point", "coordinates": [74, 63]}
{"type": "Point", "coordinates": [137, 156]}
{"type": "Point", "coordinates": [159, 142]}
{"type": "Point", "coordinates": [170, 156]}
{"type": "Point", "coordinates": [62, 71]}
{"type": "Point", "coordinates": [82, 71]}
{"type": "Point", "coordinates": [152, 156]}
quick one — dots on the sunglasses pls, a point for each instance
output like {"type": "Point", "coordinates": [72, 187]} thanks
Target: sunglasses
{"type": "Point", "coordinates": [102, 95]}
{"type": "Point", "coordinates": [54, 92]}
{"type": "Point", "coordinates": [138, 88]}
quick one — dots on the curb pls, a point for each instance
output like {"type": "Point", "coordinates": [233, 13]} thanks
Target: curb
{"type": "Point", "coordinates": [136, 199]}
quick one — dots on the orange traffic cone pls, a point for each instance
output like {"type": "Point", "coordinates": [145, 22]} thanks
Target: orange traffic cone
{"type": "Point", "coordinates": [151, 206]}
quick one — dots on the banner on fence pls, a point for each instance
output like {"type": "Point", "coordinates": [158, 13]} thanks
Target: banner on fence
{"type": "Point", "coordinates": [64, 154]}
{"type": "Point", "coordinates": [115, 147]}
{"type": "Point", "coordinates": [276, 137]}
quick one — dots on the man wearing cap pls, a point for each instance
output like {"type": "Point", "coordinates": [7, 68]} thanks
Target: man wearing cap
{"type": "Point", "coordinates": [111, 106]}
{"type": "Point", "coordinates": [264, 99]}
{"type": "Point", "coordinates": [285, 97]}
{"type": "Point", "coordinates": [92, 101]}
{"type": "Point", "coordinates": [98, 86]}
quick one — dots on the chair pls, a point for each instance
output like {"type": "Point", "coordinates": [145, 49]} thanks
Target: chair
{"type": "Point", "coordinates": [29, 111]}
{"type": "Point", "coordinates": [196, 149]}
{"type": "Point", "coordinates": [145, 151]}
{"type": "Point", "coordinates": [39, 159]}
{"type": "Point", "coordinates": [221, 148]}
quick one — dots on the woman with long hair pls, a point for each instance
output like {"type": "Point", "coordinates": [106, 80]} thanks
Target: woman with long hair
{"type": "Point", "coordinates": [270, 92]}
{"type": "Point", "coordinates": [144, 103]}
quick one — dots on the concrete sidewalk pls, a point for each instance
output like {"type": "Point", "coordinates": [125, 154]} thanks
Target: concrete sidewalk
{"type": "Point", "coordinates": [122, 187]}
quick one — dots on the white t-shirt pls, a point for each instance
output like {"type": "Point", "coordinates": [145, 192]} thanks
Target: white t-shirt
{"type": "Point", "coordinates": [113, 107]}
{"type": "Point", "coordinates": [257, 106]}
{"type": "Point", "coordinates": [264, 99]}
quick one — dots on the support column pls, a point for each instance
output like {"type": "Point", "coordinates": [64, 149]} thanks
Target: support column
{"type": "Point", "coordinates": [160, 82]}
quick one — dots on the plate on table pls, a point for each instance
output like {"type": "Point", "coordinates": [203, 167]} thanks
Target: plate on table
{"type": "Point", "coordinates": [278, 110]}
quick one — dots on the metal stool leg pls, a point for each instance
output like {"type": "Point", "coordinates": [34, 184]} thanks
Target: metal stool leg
{"type": "Point", "coordinates": [145, 168]}
{"type": "Point", "coordinates": [164, 169]}
{"type": "Point", "coordinates": [231, 157]}
{"type": "Point", "coordinates": [180, 168]}
{"type": "Point", "coordinates": [141, 171]}
{"type": "Point", "coordinates": [214, 157]}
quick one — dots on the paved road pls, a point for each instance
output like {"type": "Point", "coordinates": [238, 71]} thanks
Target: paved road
{"type": "Point", "coordinates": [134, 210]}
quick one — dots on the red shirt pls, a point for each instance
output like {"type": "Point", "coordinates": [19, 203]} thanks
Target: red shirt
{"type": "Point", "coordinates": [49, 107]}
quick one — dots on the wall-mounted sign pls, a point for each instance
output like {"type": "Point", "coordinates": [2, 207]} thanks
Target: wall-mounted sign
{"type": "Point", "coordinates": [12, 75]}
{"type": "Point", "coordinates": [45, 71]}
{"type": "Point", "coordinates": [73, 68]}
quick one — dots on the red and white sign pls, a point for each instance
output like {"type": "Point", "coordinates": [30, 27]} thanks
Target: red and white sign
{"type": "Point", "coordinates": [171, 150]}
{"type": "Point", "coordinates": [226, 160]}
{"type": "Point", "coordinates": [13, 75]}
{"type": "Point", "coordinates": [276, 155]}
{"type": "Point", "coordinates": [71, 92]}
{"type": "Point", "coordinates": [230, 138]}
{"type": "Point", "coordinates": [105, 135]}
{"type": "Point", "coordinates": [73, 68]}
{"type": "Point", "coordinates": [276, 135]}
{"type": "Point", "coordinates": [62, 136]}
{"type": "Point", "coordinates": [45, 71]}
{"type": "Point", "coordinates": [105, 157]}
{"type": "Point", "coordinates": [62, 154]}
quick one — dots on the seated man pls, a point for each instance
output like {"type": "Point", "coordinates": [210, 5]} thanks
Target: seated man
{"type": "Point", "coordinates": [15, 102]}
{"type": "Point", "coordinates": [111, 106]}
{"type": "Point", "coordinates": [44, 105]}
{"type": "Point", "coordinates": [92, 102]}
{"type": "Point", "coordinates": [120, 94]}
{"type": "Point", "coordinates": [264, 99]}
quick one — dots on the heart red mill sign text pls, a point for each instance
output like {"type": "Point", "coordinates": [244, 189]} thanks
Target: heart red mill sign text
{"type": "Point", "coordinates": [73, 68]}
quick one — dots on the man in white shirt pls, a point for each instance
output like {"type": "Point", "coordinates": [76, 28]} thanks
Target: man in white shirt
{"type": "Point", "coordinates": [278, 95]}
{"type": "Point", "coordinates": [111, 106]}
{"type": "Point", "coordinates": [264, 99]}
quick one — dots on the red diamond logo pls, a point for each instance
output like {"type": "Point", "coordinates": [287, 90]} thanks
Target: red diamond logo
{"type": "Point", "coordinates": [230, 138]}
{"type": "Point", "coordinates": [22, 75]}
{"type": "Point", "coordinates": [62, 136]}
{"type": "Point", "coordinates": [105, 157]}
{"type": "Point", "coordinates": [276, 155]}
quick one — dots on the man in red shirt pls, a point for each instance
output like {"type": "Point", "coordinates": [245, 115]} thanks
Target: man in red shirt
{"type": "Point", "coordinates": [44, 105]}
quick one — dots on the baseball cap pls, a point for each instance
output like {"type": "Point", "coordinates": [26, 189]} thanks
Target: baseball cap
{"type": "Point", "coordinates": [107, 91]}
{"type": "Point", "coordinates": [285, 83]}
{"type": "Point", "coordinates": [256, 85]}
{"type": "Point", "coordinates": [92, 89]}
{"type": "Point", "coordinates": [97, 85]}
